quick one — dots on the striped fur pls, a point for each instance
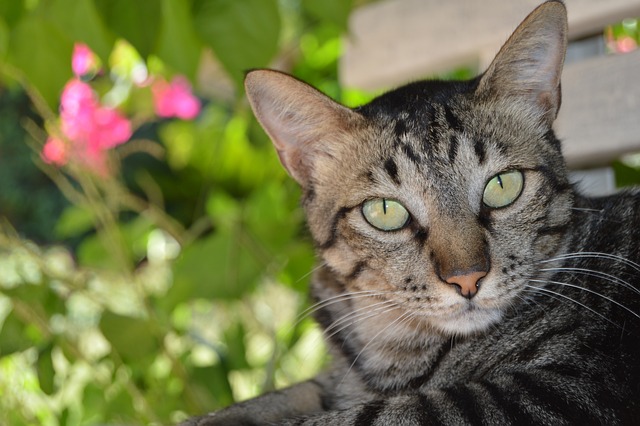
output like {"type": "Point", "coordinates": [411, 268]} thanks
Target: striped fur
{"type": "Point", "coordinates": [552, 333]}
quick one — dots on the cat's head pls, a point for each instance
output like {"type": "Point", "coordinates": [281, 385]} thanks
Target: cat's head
{"type": "Point", "coordinates": [441, 197]}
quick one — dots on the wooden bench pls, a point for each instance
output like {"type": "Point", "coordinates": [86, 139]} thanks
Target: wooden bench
{"type": "Point", "coordinates": [392, 42]}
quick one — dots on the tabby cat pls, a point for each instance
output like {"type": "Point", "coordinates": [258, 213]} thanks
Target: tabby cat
{"type": "Point", "coordinates": [461, 278]}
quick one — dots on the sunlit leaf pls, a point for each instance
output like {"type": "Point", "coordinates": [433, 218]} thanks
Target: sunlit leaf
{"type": "Point", "coordinates": [223, 209]}
{"type": "Point", "coordinates": [119, 405]}
{"type": "Point", "coordinates": [96, 251]}
{"type": "Point", "coordinates": [75, 220]}
{"type": "Point", "coordinates": [11, 11]}
{"type": "Point", "coordinates": [13, 337]}
{"type": "Point", "coordinates": [178, 44]}
{"type": "Point", "coordinates": [92, 404]}
{"type": "Point", "coordinates": [40, 298]}
{"type": "Point", "coordinates": [46, 372]}
{"type": "Point", "coordinates": [235, 356]}
{"type": "Point", "coordinates": [81, 22]}
{"type": "Point", "coordinates": [131, 338]}
{"type": "Point", "coordinates": [300, 262]}
{"type": "Point", "coordinates": [4, 39]}
{"type": "Point", "coordinates": [43, 53]}
{"type": "Point", "coordinates": [334, 11]}
{"type": "Point", "coordinates": [625, 174]}
{"type": "Point", "coordinates": [92, 252]}
{"type": "Point", "coordinates": [243, 34]}
{"type": "Point", "coordinates": [219, 266]}
{"type": "Point", "coordinates": [136, 21]}
{"type": "Point", "coordinates": [273, 216]}
{"type": "Point", "coordinates": [211, 382]}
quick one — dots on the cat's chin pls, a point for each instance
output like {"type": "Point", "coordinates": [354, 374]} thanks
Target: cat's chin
{"type": "Point", "coordinates": [471, 320]}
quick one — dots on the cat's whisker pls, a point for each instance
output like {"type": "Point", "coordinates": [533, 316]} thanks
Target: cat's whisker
{"type": "Point", "coordinates": [592, 292]}
{"type": "Point", "coordinates": [336, 299]}
{"type": "Point", "coordinates": [556, 295]}
{"type": "Point", "coordinates": [354, 314]}
{"type": "Point", "coordinates": [318, 267]}
{"type": "Point", "coordinates": [584, 209]}
{"type": "Point", "coordinates": [354, 317]}
{"type": "Point", "coordinates": [594, 255]}
{"type": "Point", "coordinates": [387, 308]}
{"type": "Point", "coordinates": [598, 274]}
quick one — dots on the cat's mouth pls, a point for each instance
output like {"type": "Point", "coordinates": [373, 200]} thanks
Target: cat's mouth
{"type": "Point", "coordinates": [463, 318]}
{"type": "Point", "coordinates": [470, 318]}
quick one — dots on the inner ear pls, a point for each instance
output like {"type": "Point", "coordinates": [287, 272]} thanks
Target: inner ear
{"type": "Point", "coordinates": [303, 123]}
{"type": "Point", "coordinates": [529, 64]}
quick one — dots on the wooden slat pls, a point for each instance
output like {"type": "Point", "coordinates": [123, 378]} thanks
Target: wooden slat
{"type": "Point", "coordinates": [393, 41]}
{"type": "Point", "coordinates": [600, 114]}
{"type": "Point", "coordinates": [396, 41]}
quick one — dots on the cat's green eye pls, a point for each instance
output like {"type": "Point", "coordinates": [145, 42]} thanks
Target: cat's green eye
{"type": "Point", "coordinates": [503, 189]}
{"type": "Point", "coordinates": [384, 214]}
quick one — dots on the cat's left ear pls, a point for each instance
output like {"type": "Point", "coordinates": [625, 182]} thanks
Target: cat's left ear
{"type": "Point", "coordinates": [305, 126]}
{"type": "Point", "coordinates": [528, 67]}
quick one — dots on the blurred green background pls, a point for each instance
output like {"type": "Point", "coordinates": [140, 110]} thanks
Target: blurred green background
{"type": "Point", "coordinates": [176, 284]}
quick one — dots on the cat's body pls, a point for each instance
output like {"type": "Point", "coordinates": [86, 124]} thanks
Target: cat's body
{"type": "Point", "coordinates": [462, 279]}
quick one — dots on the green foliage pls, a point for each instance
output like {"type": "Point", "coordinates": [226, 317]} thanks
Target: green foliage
{"type": "Point", "coordinates": [166, 287]}
{"type": "Point", "coordinates": [243, 34]}
{"type": "Point", "coordinates": [42, 52]}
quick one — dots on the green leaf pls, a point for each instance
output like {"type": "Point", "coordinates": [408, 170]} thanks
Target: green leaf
{"type": "Point", "coordinates": [178, 44]}
{"type": "Point", "coordinates": [93, 253]}
{"type": "Point", "coordinates": [235, 356]}
{"type": "Point", "coordinates": [625, 174]}
{"type": "Point", "coordinates": [136, 21]}
{"type": "Point", "coordinates": [43, 53]}
{"type": "Point", "coordinates": [46, 372]}
{"type": "Point", "coordinates": [80, 21]}
{"type": "Point", "coordinates": [131, 338]}
{"type": "Point", "coordinates": [243, 34]}
{"type": "Point", "coordinates": [93, 404]}
{"type": "Point", "coordinates": [212, 383]}
{"type": "Point", "coordinates": [218, 266]}
{"type": "Point", "coordinates": [74, 221]}
{"type": "Point", "coordinates": [298, 270]}
{"type": "Point", "coordinates": [273, 216]}
{"type": "Point", "coordinates": [40, 297]}
{"type": "Point", "coordinates": [12, 11]}
{"type": "Point", "coordinates": [334, 11]}
{"type": "Point", "coordinates": [120, 406]}
{"type": "Point", "coordinates": [223, 209]}
{"type": "Point", "coordinates": [4, 40]}
{"type": "Point", "coordinates": [13, 336]}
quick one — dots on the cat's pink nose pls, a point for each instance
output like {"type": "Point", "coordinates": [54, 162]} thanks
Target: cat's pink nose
{"type": "Point", "coordinates": [467, 283]}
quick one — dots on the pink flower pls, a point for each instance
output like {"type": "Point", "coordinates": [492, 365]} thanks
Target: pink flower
{"type": "Point", "coordinates": [110, 129]}
{"type": "Point", "coordinates": [54, 152]}
{"type": "Point", "coordinates": [626, 44]}
{"type": "Point", "coordinates": [175, 99]}
{"type": "Point", "coordinates": [90, 128]}
{"type": "Point", "coordinates": [83, 60]}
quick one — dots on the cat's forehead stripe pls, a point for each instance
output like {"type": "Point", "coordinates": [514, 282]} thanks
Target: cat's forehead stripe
{"type": "Point", "coordinates": [479, 149]}
{"type": "Point", "coordinates": [453, 147]}
{"type": "Point", "coordinates": [452, 120]}
{"type": "Point", "coordinates": [392, 170]}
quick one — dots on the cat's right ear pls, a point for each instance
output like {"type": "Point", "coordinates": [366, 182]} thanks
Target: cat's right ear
{"type": "Point", "coordinates": [303, 124]}
{"type": "Point", "coordinates": [528, 67]}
